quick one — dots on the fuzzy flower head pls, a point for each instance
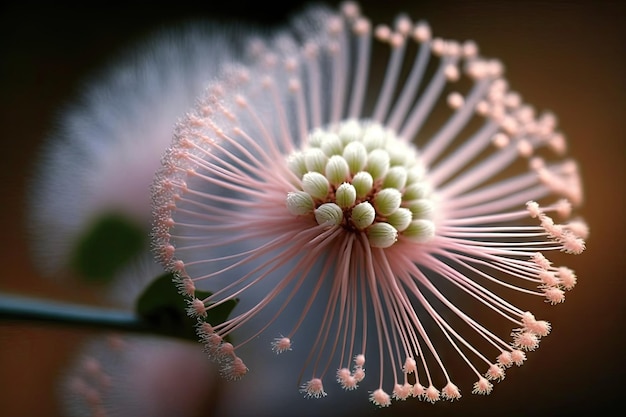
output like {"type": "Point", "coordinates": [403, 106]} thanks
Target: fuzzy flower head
{"type": "Point", "coordinates": [94, 175]}
{"type": "Point", "coordinates": [335, 204]}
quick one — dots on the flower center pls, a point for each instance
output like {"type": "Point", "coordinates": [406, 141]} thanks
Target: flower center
{"type": "Point", "coordinates": [361, 177]}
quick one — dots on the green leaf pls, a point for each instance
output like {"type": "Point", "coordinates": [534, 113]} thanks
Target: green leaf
{"type": "Point", "coordinates": [165, 309]}
{"type": "Point", "coordinates": [107, 246]}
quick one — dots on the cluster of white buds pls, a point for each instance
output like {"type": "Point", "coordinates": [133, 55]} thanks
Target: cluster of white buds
{"type": "Point", "coordinates": [361, 177]}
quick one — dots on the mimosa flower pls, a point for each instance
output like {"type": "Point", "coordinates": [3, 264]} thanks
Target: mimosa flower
{"type": "Point", "coordinates": [365, 212]}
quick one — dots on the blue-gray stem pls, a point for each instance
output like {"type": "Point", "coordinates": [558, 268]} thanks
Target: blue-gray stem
{"type": "Point", "coordinates": [20, 308]}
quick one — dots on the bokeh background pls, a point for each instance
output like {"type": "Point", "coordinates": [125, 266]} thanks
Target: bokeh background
{"type": "Point", "coordinates": [568, 56]}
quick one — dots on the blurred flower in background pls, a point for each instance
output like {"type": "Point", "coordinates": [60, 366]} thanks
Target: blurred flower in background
{"type": "Point", "coordinates": [120, 374]}
{"type": "Point", "coordinates": [90, 200]}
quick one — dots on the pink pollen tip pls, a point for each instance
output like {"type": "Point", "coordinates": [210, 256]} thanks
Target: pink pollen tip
{"type": "Point", "coordinates": [572, 244]}
{"type": "Point", "coordinates": [451, 392]}
{"type": "Point", "coordinates": [579, 228]}
{"type": "Point", "coordinates": [554, 295]}
{"type": "Point", "coordinates": [361, 27]}
{"type": "Point", "coordinates": [346, 379]}
{"type": "Point", "coordinates": [431, 394]}
{"type": "Point", "coordinates": [533, 209]}
{"type": "Point", "coordinates": [205, 329]}
{"type": "Point", "coordinates": [350, 9]}
{"type": "Point", "coordinates": [505, 359]}
{"type": "Point", "coordinates": [540, 260]}
{"type": "Point", "coordinates": [404, 25]}
{"type": "Point", "coordinates": [564, 208]}
{"type": "Point", "coordinates": [410, 366]}
{"type": "Point", "coordinates": [518, 357]}
{"type": "Point", "coordinates": [186, 287]}
{"type": "Point", "coordinates": [402, 391]}
{"type": "Point", "coordinates": [359, 360]}
{"type": "Point", "coordinates": [418, 390]}
{"type": "Point", "coordinates": [396, 40]}
{"type": "Point", "coordinates": [482, 387]}
{"type": "Point", "coordinates": [380, 398]}
{"type": "Point", "coordinates": [197, 308]}
{"type": "Point", "coordinates": [227, 350]}
{"type": "Point", "coordinates": [539, 327]}
{"type": "Point", "coordinates": [383, 33]}
{"type": "Point", "coordinates": [549, 278]}
{"type": "Point", "coordinates": [422, 32]}
{"type": "Point", "coordinates": [236, 369]}
{"type": "Point", "coordinates": [495, 373]}
{"type": "Point", "coordinates": [281, 344]}
{"type": "Point", "coordinates": [525, 340]}
{"type": "Point", "coordinates": [567, 277]}
{"type": "Point", "coordinates": [359, 374]}
{"type": "Point", "coordinates": [169, 250]}
{"type": "Point", "coordinates": [178, 266]}
{"type": "Point", "coordinates": [313, 389]}
{"type": "Point", "coordinates": [455, 100]}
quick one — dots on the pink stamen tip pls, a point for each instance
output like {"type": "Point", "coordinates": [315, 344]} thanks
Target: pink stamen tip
{"type": "Point", "coordinates": [281, 344]}
{"type": "Point", "coordinates": [313, 388]}
{"type": "Point", "coordinates": [431, 394]}
{"type": "Point", "coordinates": [380, 398]}
{"type": "Point", "coordinates": [450, 392]}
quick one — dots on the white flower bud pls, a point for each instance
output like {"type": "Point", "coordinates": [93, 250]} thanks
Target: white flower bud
{"type": "Point", "coordinates": [315, 160]}
{"type": "Point", "coordinates": [422, 209]}
{"type": "Point", "coordinates": [382, 235]}
{"type": "Point", "coordinates": [316, 138]}
{"type": "Point", "coordinates": [415, 174]}
{"type": "Point", "coordinates": [337, 170]}
{"type": "Point", "coordinates": [329, 214]}
{"type": "Point", "coordinates": [363, 183]}
{"type": "Point", "coordinates": [400, 219]}
{"type": "Point", "coordinates": [299, 203]}
{"type": "Point", "coordinates": [315, 184]}
{"type": "Point", "coordinates": [387, 201]}
{"type": "Point", "coordinates": [350, 131]}
{"type": "Point", "coordinates": [345, 195]}
{"type": "Point", "coordinates": [355, 155]}
{"type": "Point", "coordinates": [416, 191]}
{"type": "Point", "coordinates": [400, 155]}
{"type": "Point", "coordinates": [332, 145]}
{"type": "Point", "coordinates": [363, 215]}
{"type": "Point", "coordinates": [374, 137]}
{"type": "Point", "coordinates": [395, 178]}
{"type": "Point", "coordinates": [296, 164]}
{"type": "Point", "coordinates": [420, 231]}
{"type": "Point", "coordinates": [378, 163]}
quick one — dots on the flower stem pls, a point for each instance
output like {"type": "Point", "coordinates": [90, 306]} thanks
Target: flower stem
{"type": "Point", "coordinates": [20, 308]}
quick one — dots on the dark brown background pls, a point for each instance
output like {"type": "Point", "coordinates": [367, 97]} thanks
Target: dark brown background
{"type": "Point", "coordinates": [566, 56]}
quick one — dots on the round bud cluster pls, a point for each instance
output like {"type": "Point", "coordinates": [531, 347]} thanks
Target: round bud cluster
{"type": "Point", "coordinates": [361, 177]}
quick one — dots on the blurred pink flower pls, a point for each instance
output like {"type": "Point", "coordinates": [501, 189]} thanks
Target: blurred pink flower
{"type": "Point", "coordinates": [352, 216]}
{"type": "Point", "coordinates": [121, 375]}
{"type": "Point", "coordinates": [102, 157]}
